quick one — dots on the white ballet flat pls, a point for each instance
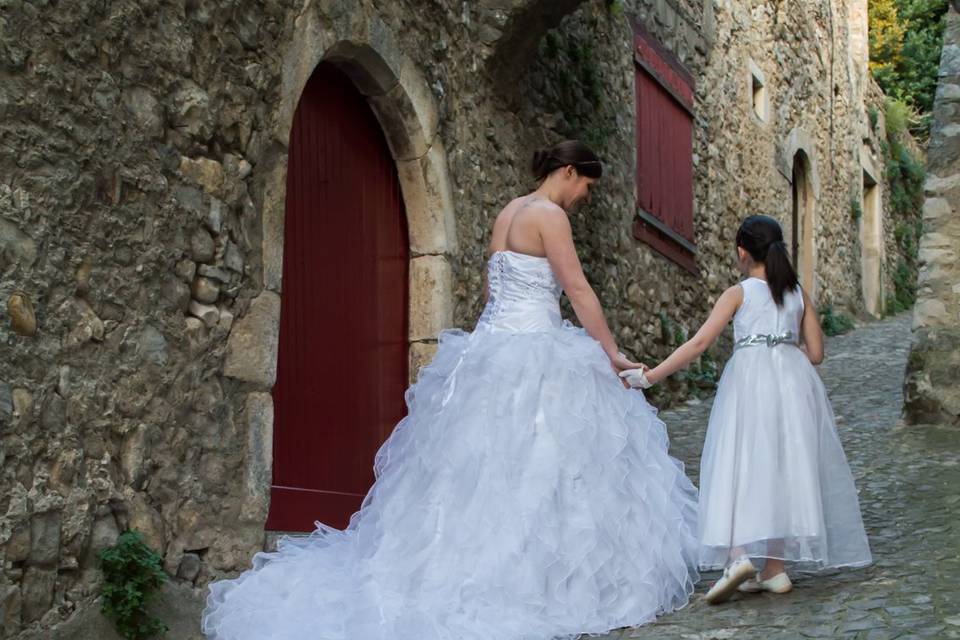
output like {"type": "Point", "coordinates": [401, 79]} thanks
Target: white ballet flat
{"type": "Point", "coordinates": [779, 583]}
{"type": "Point", "coordinates": [733, 576]}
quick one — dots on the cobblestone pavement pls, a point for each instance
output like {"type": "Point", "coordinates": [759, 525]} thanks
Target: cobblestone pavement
{"type": "Point", "coordinates": [909, 482]}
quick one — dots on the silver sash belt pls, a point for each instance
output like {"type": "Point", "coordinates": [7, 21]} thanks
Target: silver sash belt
{"type": "Point", "coordinates": [766, 340]}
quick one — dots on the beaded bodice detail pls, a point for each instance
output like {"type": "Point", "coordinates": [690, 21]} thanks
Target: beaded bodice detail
{"type": "Point", "coordinates": [524, 294]}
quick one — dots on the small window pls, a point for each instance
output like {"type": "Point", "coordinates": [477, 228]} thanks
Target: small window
{"type": "Point", "coordinates": [665, 98]}
{"type": "Point", "coordinates": [758, 91]}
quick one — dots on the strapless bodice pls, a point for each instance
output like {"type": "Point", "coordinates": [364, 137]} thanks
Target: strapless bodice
{"type": "Point", "coordinates": [524, 294]}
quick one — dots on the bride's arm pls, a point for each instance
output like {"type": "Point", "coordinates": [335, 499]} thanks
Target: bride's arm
{"type": "Point", "coordinates": [693, 348]}
{"type": "Point", "coordinates": [557, 239]}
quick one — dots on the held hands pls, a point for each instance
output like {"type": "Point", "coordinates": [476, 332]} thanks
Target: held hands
{"type": "Point", "coordinates": [637, 378]}
{"type": "Point", "coordinates": [623, 366]}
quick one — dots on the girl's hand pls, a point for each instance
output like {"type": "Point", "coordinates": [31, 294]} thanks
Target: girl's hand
{"type": "Point", "coordinates": [636, 378]}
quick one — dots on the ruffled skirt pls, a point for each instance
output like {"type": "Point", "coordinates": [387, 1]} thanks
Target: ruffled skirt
{"type": "Point", "coordinates": [527, 495]}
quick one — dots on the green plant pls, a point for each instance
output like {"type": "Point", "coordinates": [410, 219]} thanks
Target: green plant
{"type": "Point", "coordinates": [615, 8]}
{"type": "Point", "coordinates": [702, 375]}
{"type": "Point", "coordinates": [132, 573]}
{"type": "Point", "coordinates": [856, 209]}
{"type": "Point", "coordinates": [904, 288]}
{"type": "Point", "coordinates": [833, 323]}
{"type": "Point", "coordinates": [874, 115]}
{"type": "Point", "coordinates": [899, 115]}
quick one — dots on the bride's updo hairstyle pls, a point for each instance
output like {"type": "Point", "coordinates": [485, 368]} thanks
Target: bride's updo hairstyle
{"type": "Point", "coordinates": [567, 153]}
{"type": "Point", "coordinates": [762, 238]}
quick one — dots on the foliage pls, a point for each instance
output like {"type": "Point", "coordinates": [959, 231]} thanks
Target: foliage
{"type": "Point", "coordinates": [856, 209]}
{"type": "Point", "coordinates": [702, 375]}
{"type": "Point", "coordinates": [906, 37]}
{"type": "Point", "coordinates": [615, 7]}
{"type": "Point", "coordinates": [905, 176]}
{"type": "Point", "coordinates": [834, 323]}
{"type": "Point", "coordinates": [132, 573]}
{"type": "Point", "coordinates": [899, 116]}
{"type": "Point", "coordinates": [874, 114]}
{"type": "Point", "coordinates": [904, 289]}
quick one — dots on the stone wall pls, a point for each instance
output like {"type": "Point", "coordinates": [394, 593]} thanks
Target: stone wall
{"type": "Point", "coordinates": [931, 390]}
{"type": "Point", "coordinates": [142, 177]}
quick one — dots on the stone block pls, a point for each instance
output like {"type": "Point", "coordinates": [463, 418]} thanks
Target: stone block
{"type": "Point", "coordinates": [44, 539]}
{"type": "Point", "coordinates": [407, 114]}
{"type": "Point", "coordinates": [431, 297]}
{"type": "Point", "coordinates": [204, 172]}
{"type": "Point", "coordinates": [23, 319]}
{"type": "Point", "coordinates": [36, 592]}
{"type": "Point", "coordinates": [16, 247]}
{"type": "Point", "coordinates": [146, 111]}
{"type": "Point", "coordinates": [421, 354]}
{"type": "Point", "coordinates": [205, 312]}
{"type": "Point", "coordinates": [10, 606]}
{"type": "Point", "coordinates": [205, 290]}
{"type": "Point", "coordinates": [253, 342]}
{"type": "Point", "coordinates": [429, 204]}
{"type": "Point", "coordinates": [258, 411]}
{"type": "Point", "coordinates": [274, 210]}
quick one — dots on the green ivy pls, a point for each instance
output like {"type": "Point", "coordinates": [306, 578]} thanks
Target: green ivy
{"type": "Point", "coordinates": [132, 573]}
{"type": "Point", "coordinates": [834, 323]}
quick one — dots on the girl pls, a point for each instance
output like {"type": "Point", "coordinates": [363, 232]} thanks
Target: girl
{"type": "Point", "coordinates": [774, 483]}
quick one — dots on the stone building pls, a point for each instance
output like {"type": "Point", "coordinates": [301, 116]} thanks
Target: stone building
{"type": "Point", "coordinates": [931, 391]}
{"type": "Point", "coordinates": [160, 161]}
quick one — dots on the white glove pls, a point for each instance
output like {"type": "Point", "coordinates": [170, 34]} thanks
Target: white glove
{"type": "Point", "coordinates": [636, 378]}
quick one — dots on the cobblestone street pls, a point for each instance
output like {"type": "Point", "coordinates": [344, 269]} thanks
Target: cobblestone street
{"type": "Point", "coordinates": [909, 482]}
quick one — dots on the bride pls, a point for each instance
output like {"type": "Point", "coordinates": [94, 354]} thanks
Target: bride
{"type": "Point", "coordinates": [527, 495]}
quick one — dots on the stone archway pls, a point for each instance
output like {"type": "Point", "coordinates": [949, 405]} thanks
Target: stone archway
{"type": "Point", "coordinates": [399, 96]}
{"type": "Point", "coordinates": [405, 107]}
{"type": "Point", "coordinates": [797, 163]}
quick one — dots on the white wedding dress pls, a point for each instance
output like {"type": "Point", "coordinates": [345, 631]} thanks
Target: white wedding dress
{"type": "Point", "coordinates": [526, 496]}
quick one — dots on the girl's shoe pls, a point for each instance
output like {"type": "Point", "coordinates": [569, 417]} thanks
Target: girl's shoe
{"type": "Point", "coordinates": [733, 576]}
{"type": "Point", "coordinates": [779, 583]}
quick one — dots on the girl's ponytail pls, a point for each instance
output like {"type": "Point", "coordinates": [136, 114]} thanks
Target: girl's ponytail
{"type": "Point", "coordinates": [781, 276]}
{"type": "Point", "coordinates": [762, 238]}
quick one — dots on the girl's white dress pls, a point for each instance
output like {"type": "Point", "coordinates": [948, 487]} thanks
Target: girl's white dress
{"type": "Point", "coordinates": [526, 496]}
{"type": "Point", "coordinates": [774, 482]}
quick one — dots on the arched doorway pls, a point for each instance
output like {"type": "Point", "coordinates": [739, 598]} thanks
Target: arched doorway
{"type": "Point", "coordinates": [342, 361]}
{"type": "Point", "coordinates": [802, 227]}
{"type": "Point", "coordinates": [871, 243]}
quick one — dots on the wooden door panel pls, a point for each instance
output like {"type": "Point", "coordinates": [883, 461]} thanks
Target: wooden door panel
{"type": "Point", "coordinates": [342, 364]}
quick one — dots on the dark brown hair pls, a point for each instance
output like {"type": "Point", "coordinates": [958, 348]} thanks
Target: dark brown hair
{"type": "Point", "coordinates": [567, 153]}
{"type": "Point", "coordinates": [762, 238]}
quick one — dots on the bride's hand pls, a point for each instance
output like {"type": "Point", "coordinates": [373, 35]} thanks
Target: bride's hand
{"type": "Point", "coordinates": [621, 362]}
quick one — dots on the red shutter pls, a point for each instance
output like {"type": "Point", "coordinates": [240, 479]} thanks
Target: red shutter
{"type": "Point", "coordinates": [342, 363]}
{"type": "Point", "coordinates": [664, 153]}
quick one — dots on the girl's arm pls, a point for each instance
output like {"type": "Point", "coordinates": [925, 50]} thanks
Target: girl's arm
{"type": "Point", "coordinates": [810, 331]}
{"type": "Point", "coordinates": [693, 348]}
{"type": "Point", "coordinates": [557, 239]}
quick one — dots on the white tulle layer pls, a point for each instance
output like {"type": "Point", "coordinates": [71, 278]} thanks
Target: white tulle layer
{"type": "Point", "coordinates": [526, 496]}
{"type": "Point", "coordinates": [774, 481]}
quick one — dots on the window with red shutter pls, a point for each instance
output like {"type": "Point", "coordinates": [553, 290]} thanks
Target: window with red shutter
{"type": "Point", "coordinates": [665, 99]}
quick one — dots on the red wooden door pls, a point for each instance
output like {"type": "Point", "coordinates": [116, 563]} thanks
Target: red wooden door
{"type": "Point", "coordinates": [342, 364]}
